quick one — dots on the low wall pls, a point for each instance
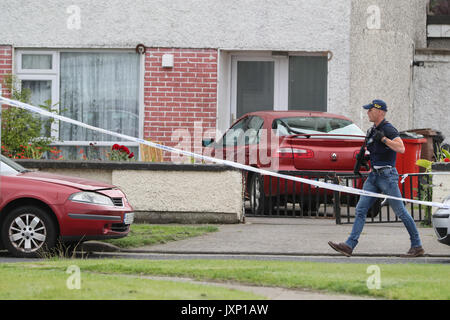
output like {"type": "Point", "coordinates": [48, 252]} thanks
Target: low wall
{"type": "Point", "coordinates": [441, 183]}
{"type": "Point", "coordinates": [163, 192]}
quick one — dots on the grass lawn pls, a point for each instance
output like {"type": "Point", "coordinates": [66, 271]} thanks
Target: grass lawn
{"type": "Point", "coordinates": [146, 234]}
{"type": "Point", "coordinates": [402, 281]}
{"type": "Point", "coordinates": [34, 283]}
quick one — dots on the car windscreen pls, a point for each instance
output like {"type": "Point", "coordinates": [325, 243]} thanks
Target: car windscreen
{"type": "Point", "coordinates": [337, 128]}
{"type": "Point", "coordinates": [8, 166]}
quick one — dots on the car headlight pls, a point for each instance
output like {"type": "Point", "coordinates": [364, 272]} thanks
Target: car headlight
{"type": "Point", "coordinates": [91, 197]}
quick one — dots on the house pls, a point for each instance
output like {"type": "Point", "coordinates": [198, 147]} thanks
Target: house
{"type": "Point", "coordinates": [150, 68]}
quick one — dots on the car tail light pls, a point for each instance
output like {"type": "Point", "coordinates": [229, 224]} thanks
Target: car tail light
{"type": "Point", "coordinates": [285, 153]}
{"type": "Point", "coordinates": [302, 153]}
{"type": "Point", "coordinates": [295, 153]}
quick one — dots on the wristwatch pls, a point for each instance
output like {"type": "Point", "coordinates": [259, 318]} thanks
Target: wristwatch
{"type": "Point", "coordinates": [384, 140]}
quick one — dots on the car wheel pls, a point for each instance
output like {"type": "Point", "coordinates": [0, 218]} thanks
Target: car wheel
{"type": "Point", "coordinates": [28, 231]}
{"type": "Point", "coordinates": [259, 203]}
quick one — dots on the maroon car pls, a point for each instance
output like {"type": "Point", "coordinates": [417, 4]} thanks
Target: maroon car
{"type": "Point", "coordinates": [289, 142]}
{"type": "Point", "coordinates": [38, 209]}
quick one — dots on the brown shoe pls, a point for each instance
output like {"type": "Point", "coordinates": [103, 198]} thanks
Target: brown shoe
{"type": "Point", "coordinates": [342, 248]}
{"type": "Point", "coordinates": [414, 252]}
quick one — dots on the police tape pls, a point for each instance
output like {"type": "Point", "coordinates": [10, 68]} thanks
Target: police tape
{"type": "Point", "coordinates": [233, 164]}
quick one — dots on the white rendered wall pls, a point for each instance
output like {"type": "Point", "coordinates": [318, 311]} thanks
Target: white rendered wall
{"type": "Point", "coordinates": [287, 25]}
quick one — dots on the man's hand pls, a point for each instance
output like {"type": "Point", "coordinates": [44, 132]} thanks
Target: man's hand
{"type": "Point", "coordinates": [378, 135]}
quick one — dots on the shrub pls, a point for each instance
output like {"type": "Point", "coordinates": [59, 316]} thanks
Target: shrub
{"type": "Point", "coordinates": [21, 129]}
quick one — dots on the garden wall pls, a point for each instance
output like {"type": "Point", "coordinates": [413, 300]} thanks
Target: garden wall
{"type": "Point", "coordinates": [163, 192]}
{"type": "Point", "coordinates": [441, 183]}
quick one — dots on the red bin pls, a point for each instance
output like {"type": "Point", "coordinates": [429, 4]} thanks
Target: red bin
{"type": "Point", "coordinates": [406, 163]}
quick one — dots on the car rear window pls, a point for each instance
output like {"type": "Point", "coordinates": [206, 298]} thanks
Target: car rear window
{"type": "Point", "coordinates": [335, 127]}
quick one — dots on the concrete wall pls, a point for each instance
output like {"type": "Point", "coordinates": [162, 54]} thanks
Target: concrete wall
{"type": "Point", "coordinates": [441, 183]}
{"type": "Point", "coordinates": [432, 91]}
{"type": "Point", "coordinates": [238, 24]}
{"type": "Point", "coordinates": [247, 25]}
{"type": "Point", "coordinates": [164, 192]}
{"type": "Point", "coordinates": [384, 35]}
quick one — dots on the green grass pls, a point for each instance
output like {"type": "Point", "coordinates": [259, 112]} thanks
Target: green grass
{"type": "Point", "coordinates": [32, 283]}
{"type": "Point", "coordinates": [145, 234]}
{"type": "Point", "coordinates": [400, 281]}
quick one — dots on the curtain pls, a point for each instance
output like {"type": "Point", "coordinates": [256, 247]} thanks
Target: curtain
{"type": "Point", "coordinates": [36, 61]}
{"type": "Point", "coordinates": [41, 92]}
{"type": "Point", "coordinates": [100, 89]}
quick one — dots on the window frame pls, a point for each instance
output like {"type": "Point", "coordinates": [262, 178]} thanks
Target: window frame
{"type": "Point", "coordinates": [281, 84]}
{"type": "Point", "coordinates": [55, 62]}
{"type": "Point", "coordinates": [54, 76]}
{"type": "Point", "coordinates": [54, 96]}
{"type": "Point", "coordinates": [281, 75]}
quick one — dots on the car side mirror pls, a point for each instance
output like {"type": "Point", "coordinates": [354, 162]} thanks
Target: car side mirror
{"type": "Point", "coordinates": [207, 142]}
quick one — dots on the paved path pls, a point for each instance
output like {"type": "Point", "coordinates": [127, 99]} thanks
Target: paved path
{"type": "Point", "coordinates": [302, 237]}
{"type": "Point", "coordinates": [271, 293]}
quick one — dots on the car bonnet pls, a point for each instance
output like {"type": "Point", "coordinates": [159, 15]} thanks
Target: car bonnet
{"type": "Point", "coordinates": [79, 183]}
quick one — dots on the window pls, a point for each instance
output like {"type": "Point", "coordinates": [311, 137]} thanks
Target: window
{"type": "Point", "coordinates": [235, 135]}
{"type": "Point", "coordinates": [308, 83]}
{"type": "Point", "coordinates": [254, 130]}
{"type": "Point", "coordinates": [101, 89]}
{"type": "Point", "coordinates": [291, 81]}
{"type": "Point", "coordinates": [37, 62]}
{"type": "Point", "coordinates": [255, 86]}
{"type": "Point", "coordinates": [333, 127]}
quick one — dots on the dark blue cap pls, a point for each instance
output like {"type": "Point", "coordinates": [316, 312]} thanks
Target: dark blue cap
{"type": "Point", "coordinates": [378, 104]}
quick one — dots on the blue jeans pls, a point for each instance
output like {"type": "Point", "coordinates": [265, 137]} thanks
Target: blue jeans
{"type": "Point", "coordinates": [386, 182]}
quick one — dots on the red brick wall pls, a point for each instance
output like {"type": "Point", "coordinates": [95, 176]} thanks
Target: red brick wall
{"type": "Point", "coordinates": [177, 97]}
{"type": "Point", "coordinates": [5, 65]}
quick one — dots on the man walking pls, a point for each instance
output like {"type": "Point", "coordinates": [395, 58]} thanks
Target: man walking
{"type": "Point", "coordinates": [383, 143]}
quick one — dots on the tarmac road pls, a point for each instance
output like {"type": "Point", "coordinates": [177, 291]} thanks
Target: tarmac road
{"type": "Point", "coordinates": [287, 239]}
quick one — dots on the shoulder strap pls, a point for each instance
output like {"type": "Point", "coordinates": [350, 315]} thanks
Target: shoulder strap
{"type": "Point", "coordinates": [382, 124]}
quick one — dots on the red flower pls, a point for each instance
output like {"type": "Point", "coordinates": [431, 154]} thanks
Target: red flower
{"type": "Point", "coordinates": [115, 147]}
{"type": "Point", "coordinates": [131, 155]}
{"type": "Point", "coordinates": [446, 160]}
{"type": "Point", "coordinates": [124, 149]}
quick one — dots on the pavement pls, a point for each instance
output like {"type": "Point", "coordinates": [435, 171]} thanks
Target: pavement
{"type": "Point", "coordinates": [293, 236]}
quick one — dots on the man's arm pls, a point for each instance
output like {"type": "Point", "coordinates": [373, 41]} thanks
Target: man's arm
{"type": "Point", "coordinates": [396, 144]}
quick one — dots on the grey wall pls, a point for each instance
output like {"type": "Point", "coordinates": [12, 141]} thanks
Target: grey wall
{"type": "Point", "coordinates": [366, 64]}
{"type": "Point", "coordinates": [229, 25]}
{"type": "Point", "coordinates": [163, 192]}
{"type": "Point", "coordinates": [381, 57]}
{"type": "Point", "coordinates": [432, 92]}
{"type": "Point", "coordinates": [237, 24]}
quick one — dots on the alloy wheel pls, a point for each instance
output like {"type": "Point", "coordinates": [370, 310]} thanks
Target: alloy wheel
{"type": "Point", "coordinates": [27, 233]}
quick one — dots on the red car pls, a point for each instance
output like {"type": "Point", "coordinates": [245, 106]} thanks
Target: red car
{"type": "Point", "coordinates": [289, 142]}
{"type": "Point", "coordinates": [39, 209]}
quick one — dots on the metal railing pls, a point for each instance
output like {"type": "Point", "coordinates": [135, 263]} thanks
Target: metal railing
{"type": "Point", "coordinates": [414, 186]}
{"type": "Point", "coordinates": [282, 198]}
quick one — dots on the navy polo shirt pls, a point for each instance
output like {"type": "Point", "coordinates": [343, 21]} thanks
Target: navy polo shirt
{"type": "Point", "coordinates": [381, 154]}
